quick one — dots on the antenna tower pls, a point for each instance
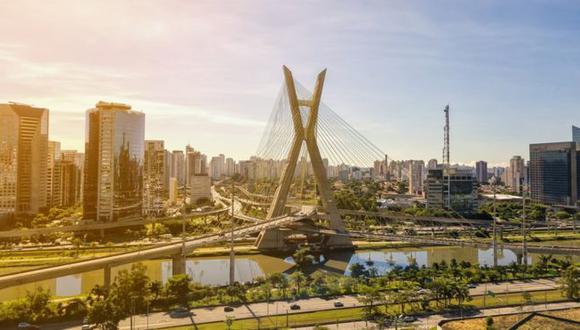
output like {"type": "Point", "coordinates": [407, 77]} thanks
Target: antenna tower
{"type": "Point", "coordinates": [446, 137]}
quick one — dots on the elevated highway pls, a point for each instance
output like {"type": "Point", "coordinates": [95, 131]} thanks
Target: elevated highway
{"type": "Point", "coordinates": [100, 226]}
{"type": "Point", "coordinates": [176, 251]}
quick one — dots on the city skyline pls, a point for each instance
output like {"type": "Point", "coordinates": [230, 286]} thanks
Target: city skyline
{"type": "Point", "coordinates": [377, 55]}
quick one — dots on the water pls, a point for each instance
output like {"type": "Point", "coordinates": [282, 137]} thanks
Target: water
{"type": "Point", "coordinates": [215, 270]}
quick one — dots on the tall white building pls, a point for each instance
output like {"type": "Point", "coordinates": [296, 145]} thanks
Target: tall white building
{"type": "Point", "coordinates": [216, 167]}
{"type": "Point", "coordinates": [516, 174]}
{"type": "Point", "coordinates": [178, 166]}
{"type": "Point", "coordinates": [415, 174]}
{"type": "Point", "coordinates": [230, 168]}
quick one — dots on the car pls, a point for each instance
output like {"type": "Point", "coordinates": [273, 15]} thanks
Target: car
{"type": "Point", "coordinates": [27, 326]}
{"type": "Point", "coordinates": [294, 307]}
{"type": "Point", "coordinates": [338, 304]}
{"type": "Point", "coordinates": [86, 324]}
{"type": "Point", "coordinates": [472, 285]}
{"type": "Point", "coordinates": [409, 319]}
{"type": "Point", "coordinates": [228, 309]}
{"type": "Point", "coordinates": [179, 312]}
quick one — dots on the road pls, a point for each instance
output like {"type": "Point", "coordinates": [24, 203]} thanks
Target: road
{"type": "Point", "coordinates": [98, 226]}
{"type": "Point", "coordinates": [430, 322]}
{"type": "Point", "coordinates": [217, 314]}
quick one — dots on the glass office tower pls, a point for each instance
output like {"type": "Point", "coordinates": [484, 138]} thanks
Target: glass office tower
{"type": "Point", "coordinates": [553, 172]}
{"type": "Point", "coordinates": [113, 187]}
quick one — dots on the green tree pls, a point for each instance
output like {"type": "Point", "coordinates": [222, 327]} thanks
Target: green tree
{"type": "Point", "coordinates": [280, 282]}
{"type": "Point", "coordinates": [298, 280]}
{"type": "Point", "coordinates": [303, 257]}
{"type": "Point", "coordinates": [371, 298]}
{"type": "Point", "coordinates": [105, 315]}
{"type": "Point", "coordinates": [570, 281]}
{"type": "Point", "coordinates": [155, 230]}
{"type": "Point", "coordinates": [178, 288]}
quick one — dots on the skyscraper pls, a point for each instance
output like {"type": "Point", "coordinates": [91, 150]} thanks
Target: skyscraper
{"type": "Point", "coordinates": [576, 134]}
{"type": "Point", "coordinates": [53, 176]}
{"type": "Point", "coordinates": [216, 166]}
{"type": "Point", "coordinates": [481, 171]}
{"type": "Point", "coordinates": [415, 173]}
{"type": "Point", "coordinates": [23, 159]}
{"type": "Point", "coordinates": [516, 175]}
{"type": "Point", "coordinates": [230, 167]}
{"type": "Point", "coordinates": [194, 164]}
{"type": "Point", "coordinates": [71, 177]}
{"type": "Point", "coordinates": [114, 152]}
{"type": "Point", "coordinates": [178, 166]}
{"type": "Point", "coordinates": [554, 173]}
{"type": "Point", "coordinates": [154, 172]}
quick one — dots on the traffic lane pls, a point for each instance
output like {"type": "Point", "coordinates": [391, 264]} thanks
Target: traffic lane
{"type": "Point", "coordinates": [515, 286]}
{"type": "Point", "coordinates": [217, 314]}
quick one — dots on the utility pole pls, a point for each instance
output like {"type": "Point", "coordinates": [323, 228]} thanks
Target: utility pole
{"type": "Point", "coordinates": [183, 223]}
{"type": "Point", "coordinates": [232, 253]}
{"type": "Point", "coordinates": [494, 224]}
{"type": "Point", "coordinates": [524, 233]}
{"type": "Point", "coordinates": [446, 161]}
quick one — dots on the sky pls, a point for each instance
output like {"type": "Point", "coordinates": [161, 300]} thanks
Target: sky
{"type": "Point", "coordinates": [208, 72]}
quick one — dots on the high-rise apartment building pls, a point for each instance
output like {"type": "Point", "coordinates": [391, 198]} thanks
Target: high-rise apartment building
{"type": "Point", "coordinates": [71, 174]}
{"type": "Point", "coordinates": [432, 164]}
{"type": "Point", "coordinates": [194, 164]}
{"type": "Point", "coordinates": [230, 167]}
{"type": "Point", "coordinates": [516, 174]}
{"type": "Point", "coordinates": [114, 152]}
{"type": "Point", "coordinates": [216, 167]}
{"type": "Point", "coordinates": [481, 171]}
{"type": "Point", "coordinates": [154, 173]}
{"type": "Point", "coordinates": [23, 159]}
{"type": "Point", "coordinates": [554, 173]}
{"type": "Point", "coordinates": [53, 175]}
{"type": "Point", "coordinates": [415, 174]}
{"type": "Point", "coordinates": [178, 166]}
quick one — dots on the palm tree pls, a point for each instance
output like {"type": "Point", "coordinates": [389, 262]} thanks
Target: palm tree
{"type": "Point", "coordinates": [297, 279]}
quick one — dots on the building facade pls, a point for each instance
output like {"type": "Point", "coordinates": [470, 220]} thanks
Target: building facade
{"type": "Point", "coordinates": [178, 166]}
{"type": "Point", "coordinates": [516, 174]}
{"type": "Point", "coordinates": [114, 152]}
{"type": "Point", "coordinates": [154, 173]}
{"type": "Point", "coordinates": [554, 173]}
{"type": "Point", "coordinates": [451, 188]}
{"type": "Point", "coordinates": [481, 171]}
{"type": "Point", "coordinates": [200, 188]}
{"type": "Point", "coordinates": [23, 159]}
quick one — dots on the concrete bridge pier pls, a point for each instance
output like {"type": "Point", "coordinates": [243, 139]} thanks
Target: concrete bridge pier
{"type": "Point", "coordinates": [178, 264]}
{"type": "Point", "coordinates": [107, 277]}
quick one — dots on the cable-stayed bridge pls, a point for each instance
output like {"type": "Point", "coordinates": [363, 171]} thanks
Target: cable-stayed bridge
{"type": "Point", "coordinates": [304, 137]}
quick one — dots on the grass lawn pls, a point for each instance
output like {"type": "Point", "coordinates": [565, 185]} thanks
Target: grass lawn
{"type": "Point", "coordinates": [504, 322]}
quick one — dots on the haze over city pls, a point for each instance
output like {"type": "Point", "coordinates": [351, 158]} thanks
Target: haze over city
{"type": "Point", "coordinates": [207, 73]}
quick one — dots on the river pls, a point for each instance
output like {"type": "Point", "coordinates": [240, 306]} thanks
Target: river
{"type": "Point", "coordinates": [215, 270]}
